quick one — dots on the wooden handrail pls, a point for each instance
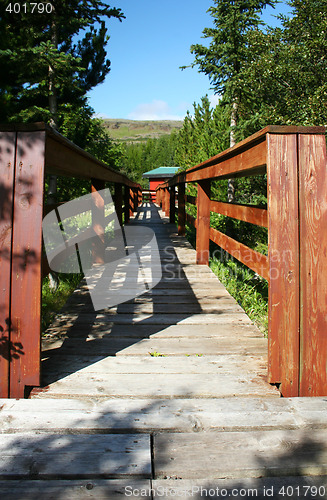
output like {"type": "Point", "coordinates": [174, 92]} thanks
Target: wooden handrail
{"type": "Point", "coordinates": [27, 154]}
{"type": "Point", "coordinates": [295, 161]}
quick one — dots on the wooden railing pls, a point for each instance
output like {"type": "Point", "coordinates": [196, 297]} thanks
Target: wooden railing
{"type": "Point", "coordinates": [148, 195]}
{"type": "Point", "coordinates": [27, 154]}
{"type": "Point", "coordinates": [294, 159]}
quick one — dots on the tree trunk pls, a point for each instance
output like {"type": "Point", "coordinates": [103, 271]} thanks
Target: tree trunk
{"type": "Point", "coordinates": [53, 108]}
{"type": "Point", "coordinates": [232, 142]}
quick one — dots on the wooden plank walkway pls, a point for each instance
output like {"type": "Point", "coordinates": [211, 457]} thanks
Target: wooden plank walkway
{"type": "Point", "coordinates": [164, 391]}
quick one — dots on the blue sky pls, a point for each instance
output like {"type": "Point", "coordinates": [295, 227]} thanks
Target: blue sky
{"type": "Point", "coordinates": [146, 50]}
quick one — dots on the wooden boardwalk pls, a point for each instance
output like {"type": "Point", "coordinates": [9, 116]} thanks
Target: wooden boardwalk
{"type": "Point", "coordinates": [165, 391]}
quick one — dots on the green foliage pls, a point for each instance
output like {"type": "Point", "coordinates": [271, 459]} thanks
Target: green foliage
{"type": "Point", "coordinates": [203, 135]}
{"type": "Point", "coordinates": [148, 155]}
{"type": "Point", "coordinates": [222, 60]}
{"type": "Point", "coordinates": [249, 289]}
{"type": "Point", "coordinates": [54, 300]}
{"type": "Point", "coordinates": [41, 58]}
{"type": "Point", "coordinates": [287, 69]}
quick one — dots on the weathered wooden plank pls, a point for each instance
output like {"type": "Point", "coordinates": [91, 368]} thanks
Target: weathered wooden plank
{"type": "Point", "coordinates": [169, 346]}
{"type": "Point", "coordinates": [7, 176]}
{"type": "Point", "coordinates": [26, 267]}
{"type": "Point", "coordinates": [219, 385]}
{"type": "Point", "coordinates": [282, 174]}
{"type": "Point", "coordinates": [83, 489]}
{"type": "Point", "coordinates": [75, 416]}
{"type": "Point", "coordinates": [240, 454]}
{"type": "Point", "coordinates": [150, 308]}
{"type": "Point", "coordinates": [162, 319]}
{"type": "Point", "coordinates": [147, 364]}
{"type": "Point", "coordinates": [238, 488]}
{"type": "Point", "coordinates": [72, 456]}
{"type": "Point", "coordinates": [246, 213]}
{"type": "Point", "coordinates": [239, 332]}
{"type": "Point", "coordinates": [254, 260]}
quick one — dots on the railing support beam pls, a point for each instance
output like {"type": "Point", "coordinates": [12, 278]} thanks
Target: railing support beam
{"type": "Point", "coordinates": [203, 222]}
{"type": "Point", "coordinates": [98, 222]}
{"type": "Point", "coordinates": [181, 209]}
{"type": "Point", "coordinates": [172, 204]}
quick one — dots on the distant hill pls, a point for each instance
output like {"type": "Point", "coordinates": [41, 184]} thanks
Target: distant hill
{"type": "Point", "coordinates": [136, 131]}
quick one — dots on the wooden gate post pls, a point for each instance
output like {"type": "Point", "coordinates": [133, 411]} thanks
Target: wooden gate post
{"type": "Point", "coordinates": [284, 280]}
{"type": "Point", "coordinates": [126, 204]}
{"type": "Point", "coordinates": [98, 222]}
{"type": "Point", "coordinates": [172, 204]}
{"type": "Point", "coordinates": [313, 264]}
{"type": "Point", "coordinates": [181, 209]}
{"type": "Point", "coordinates": [7, 178]}
{"type": "Point", "coordinates": [25, 314]}
{"type": "Point", "coordinates": [167, 201]}
{"type": "Point", "coordinates": [119, 202]}
{"type": "Point", "coordinates": [203, 222]}
{"type": "Point", "coordinates": [131, 202]}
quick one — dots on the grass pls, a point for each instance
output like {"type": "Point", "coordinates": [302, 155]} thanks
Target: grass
{"type": "Point", "coordinates": [54, 300]}
{"type": "Point", "coordinates": [247, 287]}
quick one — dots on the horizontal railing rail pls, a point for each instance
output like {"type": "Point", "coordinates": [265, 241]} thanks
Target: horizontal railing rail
{"type": "Point", "coordinates": [294, 159]}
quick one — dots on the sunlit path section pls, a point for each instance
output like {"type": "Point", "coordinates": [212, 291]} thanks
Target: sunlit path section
{"type": "Point", "coordinates": [186, 337]}
{"type": "Point", "coordinates": [164, 395]}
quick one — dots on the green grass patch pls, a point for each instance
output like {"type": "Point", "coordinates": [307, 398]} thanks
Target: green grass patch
{"type": "Point", "coordinates": [54, 300]}
{"type": "Point", "coordinates": [247, 288]}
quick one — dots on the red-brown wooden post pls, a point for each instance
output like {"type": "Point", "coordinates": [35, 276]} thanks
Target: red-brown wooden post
{"type": "Point", "coordinates": [313, 264]}
{"type": "Point", "coordinates": [284, 282]}
{"type": "Point", "coordinates": [131, 202]}
{"type": "Point", "coordinates": [203, 222]}
{"type": "Point", "coordinates": [7, 176]}
{"type": "Point", "coordinates": [172, 204]}
{"type": "Point", "coordinates": [181, 209]}
{"type": "Point", "coordinates": [25, 319]}
{"type": "Point", "coordinates": [163, 200]}
{"type": "Point", "coordinates": [119, 202]}
{"type": "Point", "coordinates": [98, 222]}
{"type": "Point", "coordinates": [167, 201]}
{"type": "Point", "coordinates": [126, 204]}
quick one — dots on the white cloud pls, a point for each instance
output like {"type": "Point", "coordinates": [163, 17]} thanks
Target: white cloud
{"type": "Point", "coordinates": [103, 116]}
{"type": "Point", "coordinates": [155, 110]}
{"type": "Point", "coordinates": [214, 99]}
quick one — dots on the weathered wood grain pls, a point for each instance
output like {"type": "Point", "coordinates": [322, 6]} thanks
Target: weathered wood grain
{"type": "Point", "coordinates": [282, 175]}
{"type": "Point", "coordinates": [7, 176]}
{"type": "Point", "coordinates": [313, 265]}
{"type": "Point", "coordinates": [76, 416]}
{"type": "Point", "coordinates": [26, 267]}
{"type": "Point", "coordinates": [71, 456]}
{"type": "Point", "coordinates": [241, 454]}
{"type": "Point", "coordinates": [83, 489]}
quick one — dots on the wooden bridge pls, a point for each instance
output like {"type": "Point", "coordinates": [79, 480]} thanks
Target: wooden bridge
{"type": "Point", "coordinates": [169, 389]}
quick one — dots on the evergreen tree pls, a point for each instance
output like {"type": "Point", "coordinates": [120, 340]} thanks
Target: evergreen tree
{"type": "Point", "coordinates": [223, 60]}
{"type": "Point", "coordinates": [288, 69]}
{"type": "Point", "coordinates": [44, 66]}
